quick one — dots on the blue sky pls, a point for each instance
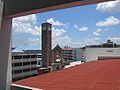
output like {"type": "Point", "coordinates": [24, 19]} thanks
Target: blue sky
{"type": "Point", "coordinates": [74, 27]}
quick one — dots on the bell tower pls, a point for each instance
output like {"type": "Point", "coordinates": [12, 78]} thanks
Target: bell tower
{"type": "Point", "coordinates": [46, 44]}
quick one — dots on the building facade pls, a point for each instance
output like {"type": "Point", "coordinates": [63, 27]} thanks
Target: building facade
{"type": "Point", "coordinates": [46, 44]}
{"type": "Point", "coordinates": [58, 62]}
{"type": "Point", "coordinates": [57, 53]}
{"type": "Point", "coordinates": [106, 50]}
{"type": "Point", "coordinates": [73, 54]}
{"type": "Point", "coordinates": [69, 54]}
{"type": "Point", "coordinates": [25, 64]}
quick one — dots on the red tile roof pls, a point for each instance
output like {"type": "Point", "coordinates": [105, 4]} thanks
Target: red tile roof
{"type": "Point", "coordinates": [96, 75]}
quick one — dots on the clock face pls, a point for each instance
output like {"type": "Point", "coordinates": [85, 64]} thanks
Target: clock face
{"type": "Point", "coordinates": [49, 28]}
{"type": "Point", "coordinates": [44, 28]}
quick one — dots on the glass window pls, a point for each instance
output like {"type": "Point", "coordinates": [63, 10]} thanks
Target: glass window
{"type": "Point", "coordinates": [26, 63]}
{"type": "Point", "coordinates": [26, 70]}
{"type": "Point", "coordinates": [34, 62]}
{"type": "Point", "coordinates": [39, 56]}
{"type": "Point", "coordinates": [26, 56]}
{"type": "Point", "coordinates": [32, 69]}
{"type": "Point", "coordinates": [17, 57]}
{"type": "Point", "coordinates": [17, 64]}
{"type": "Point", "coordinates": [17, 71]}
{"type": "Point", "coordinates": [33, 56]}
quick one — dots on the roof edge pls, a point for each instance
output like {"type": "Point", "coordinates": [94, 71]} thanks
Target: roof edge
{"type": "Point", "coordinates": [25, 87]}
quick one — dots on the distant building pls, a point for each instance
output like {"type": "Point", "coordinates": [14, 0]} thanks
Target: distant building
{"type": "Point", "coordinates": [103, 51]}
{"type": "Point", "coordinates": [57, 53]}
{"type": "Point", "coordinates": [39, 56]}
{"type": "Point", "coordinates": [46, 44]}
{"type": "Point", "coordinates": [82, 54]}
{"type": "Point", "coordinates": [25, 63]}
{"type": "Point", "coordinates": [79, 54]}
{"type": "Point", "coordinates": [73, 54]}
{"type": "Point", "coordinates": [69, 54]}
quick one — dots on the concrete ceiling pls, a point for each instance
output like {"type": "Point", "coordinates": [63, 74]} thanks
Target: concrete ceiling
{"type": "Point", "coordinates": [14, 8]}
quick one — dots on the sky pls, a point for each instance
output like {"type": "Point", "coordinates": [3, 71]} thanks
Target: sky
{"type": "Point", "coordinates": [74, 27]}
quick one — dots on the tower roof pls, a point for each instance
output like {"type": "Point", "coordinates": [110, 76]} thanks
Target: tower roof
{"type": "Point", "coordinates": [46, 23]}
{"type": "Point", "coordinates": [57, 48]}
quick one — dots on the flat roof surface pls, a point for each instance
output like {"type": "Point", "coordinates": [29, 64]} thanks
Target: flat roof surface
{"type": "Point", "coordinates": [94, 75]}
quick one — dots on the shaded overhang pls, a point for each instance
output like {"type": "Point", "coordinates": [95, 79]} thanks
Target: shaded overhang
{"type": "Point", "coordinates": [14, 8]}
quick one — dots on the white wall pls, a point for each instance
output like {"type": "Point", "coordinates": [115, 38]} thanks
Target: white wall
{"type": "Point", "coordinates": [92, 54]}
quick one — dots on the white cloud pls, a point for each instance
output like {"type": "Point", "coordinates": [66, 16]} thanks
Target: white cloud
{"type": "Point", "coordinates": [99, 30]}
{"type": "Point", "coordinates": [55, 23]}
{"type": "Point", "coordinates": [75, 26]}
{"type": "Point", "coordinates": [26, 24]}
{"type": "Point", "coordinates": [111, 6]}
{"type": "Point", "coordinates": [34, 41]}
{"type": "Point", "coordinates": [83, 28]}
{"type": "Point", "coordinates": [27, 42]}
{"type": "Point", "coordinates": [96, 38]}
{"type": "Point", "coordinates": [62, 41]}
{"type": "Point", "coordinates": [57, 32]}
{"type": "Point", "coordinates": [96, 33]}
{"type": "Point", "coordinates": [91, 41]}
{"type": "Point", "coordinates": [110, 21]}
{"type": "Point", "coordinates": [58, 37]}
{"type": "Point", "coordinates": [106, 29]}
{"type": "Point", "coordinates": [26, 19]}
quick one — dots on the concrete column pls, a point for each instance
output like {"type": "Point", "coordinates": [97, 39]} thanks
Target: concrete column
{"type": "Point", "coordinates": [5, 52]}
{"type": "Point", "coordinates": [1, 11]}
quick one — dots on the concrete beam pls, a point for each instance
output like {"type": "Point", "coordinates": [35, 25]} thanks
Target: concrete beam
{"type": "Point", "coordinates": [23, 7]}
{"type": "Point", "coordinates": [5, 53]}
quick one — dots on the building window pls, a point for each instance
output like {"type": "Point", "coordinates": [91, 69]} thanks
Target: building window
{"type": "Point", "coordinates": [17, 71]}
{"type": "Point", "coordinates": [33, 56]}
{"type": "Point", "coordinates": [39, 56]}
{"type": "Point", "coordinates": [34, 62]}
{"type": "Point", "coordinates": [26, 70]}
{"type": "Point", "coordinates": [39, 62]}
{"type": "Point", "coordinates": [12, 72]}
{"type": "Point", "coordinates": [26, 63]}
{"type": "Point", "coordinates": [110, 51]}
{"type": "Point", "coordinates": [26, 56]}
{"type": "Point", "coordinates": [12, 57]}
{"type": "Point", "coordinates": [33, 75]}
{"type": "Point", "coordinates": [17, 78]}
{"type": "Point", "coordinates": [32, 69]}
{"type": "Point", "coordinates": [17, 64]}
{"type": "Point", "coordinates": [27, 76]}
{"type": "Point", "coordinates": [17, 57]}
{"type": "Point", "coordinates": [12, 64]}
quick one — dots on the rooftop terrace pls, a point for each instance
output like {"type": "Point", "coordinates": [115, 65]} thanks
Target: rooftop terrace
{"type": "Point", "coordinates": [96, 75]}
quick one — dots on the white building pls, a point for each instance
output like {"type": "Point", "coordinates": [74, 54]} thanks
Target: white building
{"type": "Point", "coordinates": [25, 63]}
{"type": "Point", "coordinates": [103, 51]}
{"type": "Point", "coordinates": [69, 54]}
{"type": "Point", "coordinates": [73, 54]}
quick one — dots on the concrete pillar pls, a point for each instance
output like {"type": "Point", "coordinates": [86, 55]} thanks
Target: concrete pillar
{"type": "Point", "coordinates": [5, 51]}
{"type": "Point", "coordinates": [1, 11]}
